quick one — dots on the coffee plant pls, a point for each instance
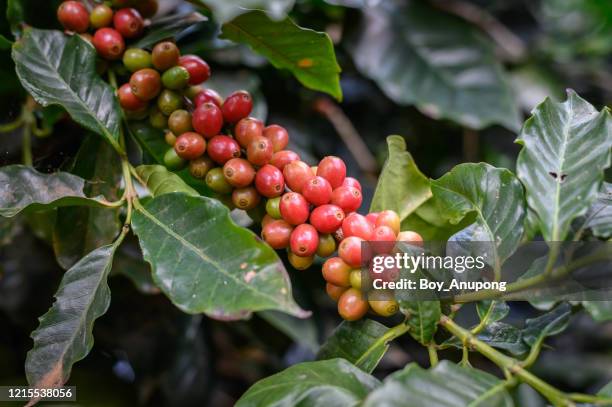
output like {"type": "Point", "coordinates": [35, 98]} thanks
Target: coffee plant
{"type": "Point", "coordinates": [228, 210]}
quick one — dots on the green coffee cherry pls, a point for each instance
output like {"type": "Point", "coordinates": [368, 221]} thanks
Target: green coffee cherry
{"type": "Point", "coordinates": [192, 91]}
{"type": "Point", "coordinates": [180, 122]}
{"type": "Point", "coordinates": [175, 78]}
{"type": "Point", "coordinates": [170, 138]}
{"type": "Point", "coordinates": [273, 207]}
{"type": "Point", "coordinates": [157, 118]}
{"type": "Point", "coordinates": [216, 181]}
{"type": "Point", "coordinates": [169, 101]}
{"type": "Point", "coordinates": [172, 161]}
{"type": "Point", "coordinates": [136, 59]}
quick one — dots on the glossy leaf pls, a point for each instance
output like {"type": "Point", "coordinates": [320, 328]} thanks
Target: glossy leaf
{"type": "Point", "coordinates": [432, 224]}
{"type": "Point", "coordinates": [421, 56]}
{"type": "Point", "coordinates": [423, 318]}
{"type": "Point", "coordinates": [160, 181]}
{"type": "Point", "coordinates": [359, 342]}
{"type": "Point", "coordinates": [549, 324]}
{"type": "Point", "coordinates": [225, 10]}
{"type": "Point", "coordinates": [504, 336]}
{"type": "Point", "coordinates": [559, 141]}
{"type": "Point", "coordinates": [22, 187]}
{"type": "Point", "coordinates": [205, 263]}
{"type": "Point", "coordinates": [606, 390]}
{"type": "Point", "coordinates": [60, 70]}
{"type": "Point", "coordinates": [601, 311]}
{"type": "Point", "coordinates": [599, 216]}
{"type": "Point", "coordinates": [166, 28]}
{"type": "Point", "coordinates": [302, 331]}
{"type": "Point", "coordinates": [307, 54]}
{"type": "Point", "coordinates": [333, 382]}
{"type": "Point", "coordinates": [493, 311]}
{"type": "Point", "coordinates": [401, 187]}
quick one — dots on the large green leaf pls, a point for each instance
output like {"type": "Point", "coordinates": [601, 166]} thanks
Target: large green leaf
{"type": "Point", "coordinates": [504, 336]}
{"type": "Point", "coordinates": [423, 318]}
{"type": "Point", "coordinates": [566, 147]}
{"type": "Point", "coordinates": [23, 187]}
{"type": "Point", "coordinates": [64, 335]}
{"type": "Point", "coordinates": [205, 263]}
{"type": "Point", "coordinates": [549, 324]}
{"type": "Point", "coordinates": [167, 27]}
{"type": "Point", "coordinates": [225, 10]}
{"type": "Point", "coordinates": [359, 342]}
{"type": "Point", "coordinates": [160, 181]}
{"type": "Point", "coordinates": [421, 56]}
{"type": "Point", "coordinates": [599, 216]}
{"type": "Point", "coordinates": [601, 311]}
{"type": "Point", "coordinates": [307, 54]}
{"type": "Point", "coordinates": [60, 70]}
{"type": "Point", "coordinates": [333, 382]}
{"type": "Point", "coordinates": [401, 186]}
{"type": "Point", "coordinates": [606, 390]}
{"type": "Point", "coordinates": [80, 229]}
{"type": "Point", "coordinates": [496, 198]}
{"type": "Point", "coordinates": [492, 311]}
{"type": "Point", "coordinates": [432, 224]}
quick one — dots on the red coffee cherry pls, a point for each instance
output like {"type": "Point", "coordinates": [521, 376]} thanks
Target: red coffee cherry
{"type": "Point", "coordinates": [128, 22]}
{"type": "Point", "coordinates": [350, 251]}
{"type": "Point", "coordinates": [317, 191]}
{"type": "Point", "coordinates": [278, 136]}
{"type": "Point", "coordinates": [247, 130]}
{"type": "Point", "coordinates": [351, 305]}
{"type": "Point", "coordinates": [238, 172]}
{"type": "Point", "coordinates": [351, 182]}
{"type": "Point", "coordinates": [259, 151]}
{"type": "Point", "coordinates": [208, 95]}
{"type": "Point", "coordinates": [294, 208]}
{"type": "Point", "coordinates": [389, 218]}
{"type": "Point", "coordinates": [411, 237]}
{"type": "Point", "coordinates": [348, 198]}
{"type": "Point", "coordinates": [198, 69]}
{"type": "Point", "coordinates": [101, 16]}
{"type": "Point", "coordinates": [207, 120]}
{"type": "Point", "coordinates": [222, 149]}
{"type": "Point", "coordinates": [73, 16]}
{"type": "Point", "coordinates": [327, 218]}
{"type": "Point", "coordinates": [237, 106]}
{"type": "Point", "coordinates": [147, 8]}
{"type": "Point", "coordinates": [384, 234]}
{"type": "Point", "coordinates": [334, 291]}
{"type": "Point", "coordinates": [277, 234]}
{"type": "Point", "coordinates": [245, 198]}
{"type": "Point", "coordinates": [269, 181]}
{"type": "Point", "coordinates": [128, 100]}
{"type": "Point", "coordinates": [371, 217]}
{"type": "Point", "coordinates": [165, 55]}
{"type": "Point", "coordinates": [304, 240]}
{"type": "Point", "coordinates": [337, 272]}
{"type": "Point", "coordinates": [145, 84]}
{"type": "Point", "coordinates": [332, 169]}
{"type": "Point", "coordinates": [357, 225]}
{"type": "Point", "coordinates": [297, 174]}
{"type": "Point", "coordinates": [282, 158]}
{"type": "Point", "coordinates": [267, 219]}
{"type": "Point", "coordinates": [190, 146]}
{"type": "Point", "coordinates": [109, 43]}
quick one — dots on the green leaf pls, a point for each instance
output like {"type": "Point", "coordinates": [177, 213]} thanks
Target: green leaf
{"type": "Point", "coordinates": [549, 324]}
{"type": "Point", "coordinates": [160, 181]}
{"type": "Point", "coordinates": [226, 10]}
{"type": "Point", "coordinates": [445, 385]}
{"type": "Point", "coordinates": [302, 331]}
{"type": "Point", "coordinates": [80, 229]}
{"type": "Point", "coordinates": [493, 310]}
{"type": "Point", "coordinates": [5, 43]}
{"type": "Point", "coordinates": [358, 342]}
{"type": "Point", "coordinates": [443, 65]}
{"type": "Point", "coordinates": [401, 187]}
{"type": "Point", "coordinates": [504, 336]}
{"type": "Point", "coordinates": [64, 335]}
{"type": "Point", "coordinates": [599, 216]}
{"type": "Point", "coordinates": [496, 198]}
{"type": "Point", "coordinates": [22, 187]}
{"type": "Point", "coordinates": [559, 141]}
{"type": "Point", "coordinates": [60, 70]}
{"type": "Point", "coordinates": [423, 317]}
{"type": "Point", "coordinates": [601, 311]}
{"type": "Point", "coordinates": [205, 263]}
{"type": "Point", "coordinates": [431, 223]}
{"type": "Point", "coordinates": [333, 382]}
{"type": "Point", "coordinates": [606, 390]}
{"type": "Point", "coordinates": [309, 55]}
{"type": "Point", "coordinates": [168, 27]}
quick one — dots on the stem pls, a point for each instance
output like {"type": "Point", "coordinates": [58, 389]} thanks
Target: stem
{"type": "Point", "coordinates": [390, 335]}
{"type": "Point", "coordinates": [588, 398]}
{"type": "Point", "coordinates": [485, 320]}
{"type": "Point", "coordinates": [433, 354]}
{"type": "Point", "coordinates": [26, 146]}
{"type": "Point", "coordinates": [14, 125]}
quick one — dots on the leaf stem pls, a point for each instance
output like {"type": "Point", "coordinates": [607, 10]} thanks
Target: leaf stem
{"type": "Point", "coordinates": [433, 354]}
{"type": "Point", "coordinates": [14, 125]}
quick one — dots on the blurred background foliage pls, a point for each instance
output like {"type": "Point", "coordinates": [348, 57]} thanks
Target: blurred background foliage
{"type": "Point", "coordinates": [455, 78]}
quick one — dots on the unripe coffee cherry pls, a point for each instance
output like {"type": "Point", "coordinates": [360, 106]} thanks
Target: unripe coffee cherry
{"type": "Point", "coordinates": [198, 69]}
{"type": "Point", "coordinates": [128, 100]}
{"type": "Point", "coordinates": [347, 198]}
{"type": "Point", "coordinates": [384, 307]}
{"type": "Point", "coordinates": [170, 138]}
{"type": "Point", "coordinates": [175, 78]}
{"type": "Point", "coordinates": [73, 16]}
{"type": "Point", "coordinates": [297, 174]}
{"type": "Point", "coordinates": [192, 91]}
{"type": "Point", "coordinates": [157, 119]}
{"type": "Point", "coordinates": [355, 279]}
{"type": "Point", "coordinates": [337, 272]}
{"type": "Point", "coordinates": [304, 240]}
{"type": "Point", "coordinates": [371, 217]}
{"type": "Point", "coordinates": [165, 55]}
{"type": "Point", "coordinates": [136, 59]}
{"type": "Point", "coordinates": [179, 122]}
{"type": "Point", "coordinates": [259, 151]}
{"type": "Point", "coordinates": [208, 95]}
{"type": "Point", "coordinates": [294, 208]}
{"type": "Point", "coordinates": [222, 149]}
{"type": "Point", "coordinates": [334, 291]}
{"type": "Point", "coordinates": [350, 251]}
{"type": "Point", "coordinates": [269, 181]}
{"type": "Point", "coordinates": [317, 191]}
{"type": "Point", "coordinates": [237, 106]}
{"type": "Point", "coordinates": [327, 245]}
{"type": "Point", "coordinates": [128, 22]}
{"type": "Point", "coordinates": [101, 16]}
{"type": "Point", "coordinates": [245, 198]}
{"type": "Point", "coordinates": [216, 181]}
{"type": "Point", "coordinates": [282, 158]}
{"type": "Point", "coordinates": [351, 305]}
{"type": "Point", "coordinates": [384, 234]}
{"type": "Point", "coordinates": [172, 161]}
{"type": "Point", "coordinates": [147, 8]}
{"type": "Point", "coordinates": [389, 218]}
{"type": "Point", "coordinates": [410, 237]}
{"type": "Point", "coordinates": [190, 146]}
{"type": "Point", "coordinates": [109, 43]}
{"type": "Point", "coordinates": [278, 136]}
{"type": "Point", "coordinates": [239, 172]}
{"type": "Point", "coordinates": [207, 120]}
{"type": "Point", "coordinates": [169, 101]}
{"type": "Point", "coordinates": [298, 262]}
{"type": "Point", "coordinates": [145, 84]}
{"type": "Point", "coordinates": [277, 234]}
{"type": "Point", "coordinates": [332, 169]}
{"type": "Point", "coordinates": [351, 182]}
{"type": "Point", "coordinates": [199, 167]}
{"type": "Point", "coordinates": [357, 225]}
{"type": "Point", "coordinates": [327, 218]}
{"type": "Point", "coordinates": [273, 207]}
{"type": "Point", "coordinates": [247, 130]}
